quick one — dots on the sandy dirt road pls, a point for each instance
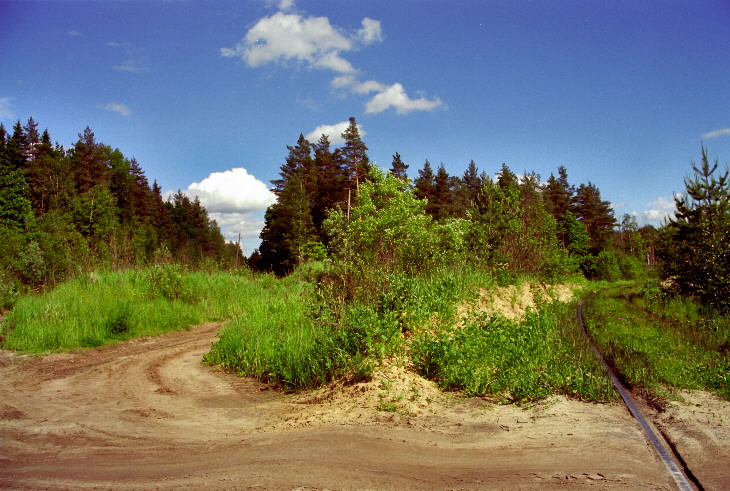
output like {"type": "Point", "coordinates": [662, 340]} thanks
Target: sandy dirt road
{"type": "Point", "coordinates": [147, 414]}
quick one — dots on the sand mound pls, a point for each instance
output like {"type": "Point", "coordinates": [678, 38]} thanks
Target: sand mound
{"type": "Point", "coordinates": [513, 302]}
{"type": "Point", "coordinates": [393, 394]}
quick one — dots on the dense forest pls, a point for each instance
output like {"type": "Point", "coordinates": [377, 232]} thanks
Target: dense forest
{"type": "Point", "coordinates": [515, 223]}
{"type": "Point", "coordinates": [66, 211]}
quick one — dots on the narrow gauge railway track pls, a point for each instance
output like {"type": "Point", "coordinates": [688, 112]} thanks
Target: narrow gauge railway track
{"type": "Point", "coordinates": [666, 452]}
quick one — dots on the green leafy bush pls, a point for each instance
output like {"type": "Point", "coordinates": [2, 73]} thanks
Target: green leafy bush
{"type": "Point", "coordinates": [607, 267]}
{"type": "Point", "coordinates": [167, 281]}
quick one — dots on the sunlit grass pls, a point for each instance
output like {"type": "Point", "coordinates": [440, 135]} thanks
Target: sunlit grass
{"type": "Point", "coordinates": [104, 307]}
{"type": "Point", "coordinates": [515, 361]}
{"type": "Point", "coordinates": [670, 345]}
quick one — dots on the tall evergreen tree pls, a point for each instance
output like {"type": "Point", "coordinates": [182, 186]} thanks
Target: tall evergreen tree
{"type": "Point", "coordinates": [471, 183]}
{"type": "Point", "coordinates": [559, 194]}
{"type": "Point", "coordinates": [398, 168]}
{"type": "Point", "coordinates": [506, 177]}
{"type": "Point", "coordinates": [355, 156]}
{"type": "Point", "coordinates": [424, 186]}
{"type": "Point", "coordinates": [442, 203]}
{"type": "Point", "coordinates": [596, 214]}
{"type": "Point", "coordinates": [15, 147]}
{"type": "Point", "coordinates": [88, 159]}
{"type": "Point", "coordinates": [695, 245]}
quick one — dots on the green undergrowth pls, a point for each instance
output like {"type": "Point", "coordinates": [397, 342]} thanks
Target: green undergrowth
{"type": "Point", "coordinates": [278, 342]}
{"type": "Point", "coordinates": [99, 308]}
{"type": "Point", "coordinates": [515, 361]}
{"type": "Point", "coordinates": [660, 342]}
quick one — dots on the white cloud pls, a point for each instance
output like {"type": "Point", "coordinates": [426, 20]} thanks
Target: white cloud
{"type": "Point", "coordinates": [232, 191]}
{"type": "Point", "coordinates": [395, 96]}
{"type": "Point", "coordinates": [333, 132]}
{"type": "Point", "coordinates": [286, 5]}
{"type": "Point", "coordinates": [387, 96]}
{"type": "Point", "coordinates": [233, 199]}
{"type": "Point", "coordinates": [314, 42]}
{"type": "Point", "coordinates": [370, 32]}
{"type": "Point", "coordinates": [292, 37]}
{"type": "Point", "coordinates": [717, 133]}
{"type": "Point", "coordinates": [118, 108]}
{"type": "Point", "coordinates": [5, 111]}
{"type": "Point", "coordinates": [662, 207]}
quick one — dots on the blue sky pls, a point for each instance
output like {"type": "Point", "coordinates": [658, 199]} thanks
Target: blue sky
{"type": "Point", "coordinates": [208, 94]}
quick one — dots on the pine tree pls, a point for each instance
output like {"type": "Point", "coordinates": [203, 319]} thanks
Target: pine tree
{"type": "Point", "coordinates": [471, 184]}
{"type": "Point", "coordinates": [16, 146]}
{"type": "Point", "coordinates": [425, 182]}
{"type": "Point", "coordinates": [442, 203]}
{"type": "Point", "coordinates": [506, 177]}
{"type": "Point", "coordinates": [331, 190]}
{"type": "Point", "coordinates": [89, 162]}
{"type": "Point", "coordinates": [596, 214]}
{"type": "Point", "coordinates": [355, 156]}
{"type": "Point", "coordinates": [695, 246]}
{"type": "Point", "coordinates": [559, 195]}
{"type": "Point", "coordinates": [398, 168]}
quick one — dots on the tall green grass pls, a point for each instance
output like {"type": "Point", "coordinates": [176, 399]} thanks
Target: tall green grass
{"type": "Point", "coordinates": [515, 361]}
{"type": "Point", "coordinates": [277, 341]}
{"type": "Point", "coordinates": [103, 307]}
{"type": "Point", "coordinates": [658, 343]}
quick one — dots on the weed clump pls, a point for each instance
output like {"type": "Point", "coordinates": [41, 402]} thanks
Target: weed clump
{"type": "Point", "coordinates": [168, 281]}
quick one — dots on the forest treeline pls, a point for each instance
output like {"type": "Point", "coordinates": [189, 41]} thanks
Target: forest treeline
{"type": "Point", "coordinates": [66, 211]}
{"type": "Point", "coordinates": [518, 224]}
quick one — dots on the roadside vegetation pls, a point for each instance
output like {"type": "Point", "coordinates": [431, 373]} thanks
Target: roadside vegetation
{"type": "Point", "coordinates": [99, 308]}
{"type": "Point", "coordinates": [360, 266]}
{"type": "Point", "coordinates": [660, 342]}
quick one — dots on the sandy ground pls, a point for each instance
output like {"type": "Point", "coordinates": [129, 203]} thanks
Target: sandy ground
{"type": "Point", "coordinates": [147, 414]}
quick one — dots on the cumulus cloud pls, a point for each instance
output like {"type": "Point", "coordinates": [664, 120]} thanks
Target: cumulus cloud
{"type": "Point", "coordinates": [395, 96]}
{"type": "Point", "coordinates": [5, 111]}
{"type": "Point", "coordinates": [662, 207]}
{"type": "Point", "coordinates": [386, 96]}
{"type": "Point", "coordinates": [233, 198]}
{"type": "Point", "coordinates": [717, 133]}
{"type": "Point", "coordinates": [284, 37]}
{"type": "Point", "coordinates": [232, 191]}
{"type": "Point", "coordinates": [118, 108]}
{"type": "Point", "coordinates": [333, 132]}
{"type": "Point", "coordinates": [370, 32]}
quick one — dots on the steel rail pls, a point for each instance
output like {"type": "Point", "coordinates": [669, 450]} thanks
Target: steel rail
{"type": "Point", "coordinates": [657, 441]}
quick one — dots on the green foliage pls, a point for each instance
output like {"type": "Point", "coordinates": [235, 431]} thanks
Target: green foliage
{"type": "Point", "coordinates": [33, 265]}
{"type": "Point", "coordinates": [659, 341]}
{"type": "Point", "coordinates": [607, 267]}
{"type": "Point", "coordinates": [694, 247]}
{"type": "Point", "coordinates": [118, 322]}
{"type": "Point", "coordinates": [276, 341]}
{"type": "Point", "coordinates": [387, 230]}
{"type": "Point", "coordinates": [98, 308]}
{"type": "Point", "coordinates": [168, 281]}
{"type": "Point", "coordinates": [516, 361]}
{"type": "Point", "coordinates": [89, 207]}
{"type": "Point", "coordinates": [15, 205]}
